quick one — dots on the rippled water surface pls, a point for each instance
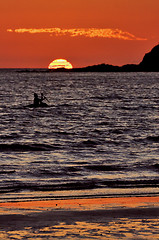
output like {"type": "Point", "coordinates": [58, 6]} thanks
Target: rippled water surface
{"type": "Point", "coordinates": [99, 135]}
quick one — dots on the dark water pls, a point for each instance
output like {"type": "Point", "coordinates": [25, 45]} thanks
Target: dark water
{"type": "Point", "coordinates": [100, 135]}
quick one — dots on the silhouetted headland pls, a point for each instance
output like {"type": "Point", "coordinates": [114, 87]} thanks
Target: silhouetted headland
{"type": "Point", "coordinates": [150, 63]}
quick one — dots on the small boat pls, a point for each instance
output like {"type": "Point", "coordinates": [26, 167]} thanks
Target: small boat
{"type": "Point", "coordinates": [37, 106]}
{"type": "Point", "coordinates": [38, 102]}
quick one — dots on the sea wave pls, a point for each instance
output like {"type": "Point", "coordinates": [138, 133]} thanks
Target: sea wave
{"type": "Point", "coordinates": [15, 186]}
{"type": "Point", "coordinates": [153, 138]}
{"type": "Point", "coordinates": [18, 147]}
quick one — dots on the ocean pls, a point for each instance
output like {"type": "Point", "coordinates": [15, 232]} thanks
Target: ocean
{"type": "Point", "coordinates": [99, 136]}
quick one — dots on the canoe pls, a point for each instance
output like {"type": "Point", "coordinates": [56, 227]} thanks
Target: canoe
{"type": "Point", "coordinates": [35, 106]}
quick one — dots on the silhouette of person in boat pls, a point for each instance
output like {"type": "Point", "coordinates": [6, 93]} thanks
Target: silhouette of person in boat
{"type": "Point", "coordinates": [36, 100]}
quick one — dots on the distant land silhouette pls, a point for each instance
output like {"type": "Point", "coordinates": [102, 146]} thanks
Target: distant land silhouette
{"type": "Point", "coordinates": [150, 63]}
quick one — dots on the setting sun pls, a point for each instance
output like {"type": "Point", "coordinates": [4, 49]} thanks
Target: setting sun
{"type": "Point", "coordinates": [60, 63]}
{"type": "Point", "coordinates": [85, 34]}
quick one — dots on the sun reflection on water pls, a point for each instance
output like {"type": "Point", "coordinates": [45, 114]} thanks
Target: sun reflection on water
{"type": "Point", "coordinates": [114, 229]}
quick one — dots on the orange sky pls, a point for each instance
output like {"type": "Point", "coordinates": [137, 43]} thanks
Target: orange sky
{"type": "Point", "coordinates": [85, 32]}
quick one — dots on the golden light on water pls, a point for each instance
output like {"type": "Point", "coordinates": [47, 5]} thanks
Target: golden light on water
{"type": "Point", "coordinates": [60, 63]}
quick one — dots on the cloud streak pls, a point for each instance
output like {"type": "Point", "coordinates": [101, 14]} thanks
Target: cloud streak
{"type": "Point", "coordinates": [86, 32]}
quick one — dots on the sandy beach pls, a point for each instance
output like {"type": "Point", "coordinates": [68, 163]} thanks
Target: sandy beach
{"type": "Point", "coordinates": [87, 218]}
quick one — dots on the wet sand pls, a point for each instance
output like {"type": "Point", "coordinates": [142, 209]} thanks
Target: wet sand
{"type": "Point", "coordinates": [96, 218]}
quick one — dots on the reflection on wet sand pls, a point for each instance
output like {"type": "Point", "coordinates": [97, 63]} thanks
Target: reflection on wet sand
{"type": "Point", "coordinates": [114, 229]}
{"type": "Point", "coordinates": [98, 218]}
{"type": "Point", "coordinates": [78, 204]}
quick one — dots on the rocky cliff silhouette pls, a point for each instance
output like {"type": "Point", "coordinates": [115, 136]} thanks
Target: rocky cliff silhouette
{"type": "Point", "coordinates": [150, 63]}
